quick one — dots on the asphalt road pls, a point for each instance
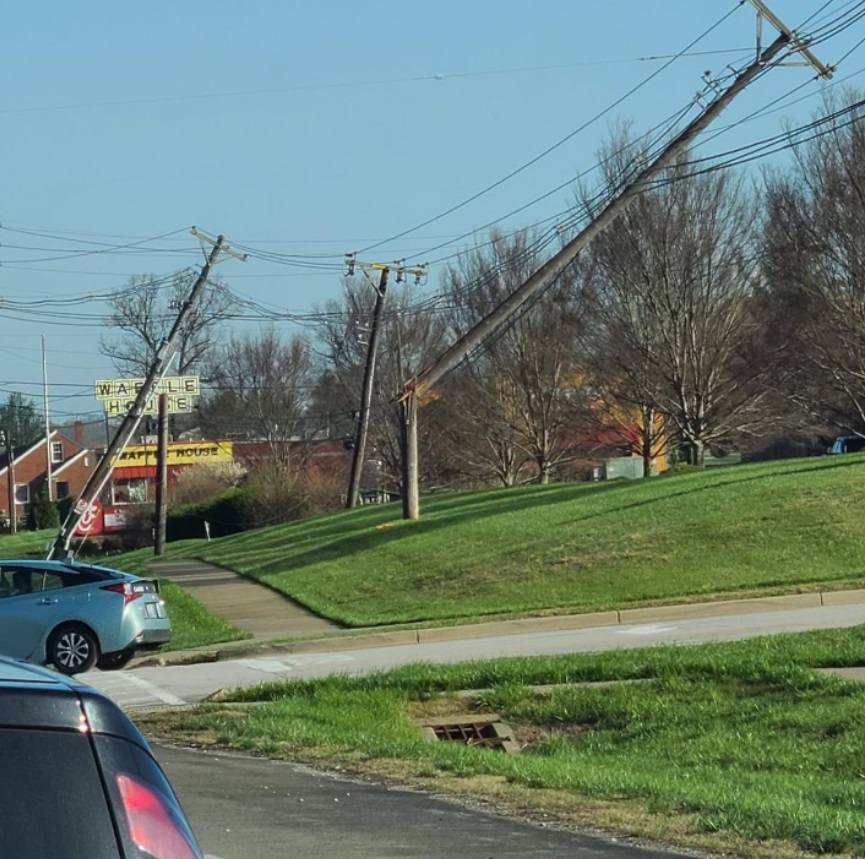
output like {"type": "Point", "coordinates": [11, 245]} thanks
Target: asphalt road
{"type": "Point", "coordinates": [149, 687]}
{"type": "Point", "coordinates": [248, 808]}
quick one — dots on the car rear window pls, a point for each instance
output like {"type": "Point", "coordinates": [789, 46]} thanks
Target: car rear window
{"type": "Point", "coordinates": [51, 799]}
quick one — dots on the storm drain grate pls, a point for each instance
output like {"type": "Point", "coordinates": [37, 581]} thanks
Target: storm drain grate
{"type": "Point", "coordinates": [488, 733]}
{"type": "Point", "coordinates": [474, 734]}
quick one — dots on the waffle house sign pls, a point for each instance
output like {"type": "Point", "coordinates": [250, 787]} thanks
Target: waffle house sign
{"type": "Point", "coordinates": [118, 395]}
{"type": "Point", "coordinates": [178, 453]}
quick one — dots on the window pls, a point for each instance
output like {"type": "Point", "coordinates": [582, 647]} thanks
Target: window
{"type": "Point", "coordinates": [56, 451]}
{"type": "Point", "coordinates": [22, 493]}
{"type": "Point", "coordinates": [129, 491]}
{"type": "Point", "coordinates": [62, 489]}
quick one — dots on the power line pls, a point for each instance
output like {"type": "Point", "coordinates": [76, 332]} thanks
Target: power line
{"type": "Point", "coordinates": [559, 142]}
{"type": "Point", "coordinates": [436, 77]}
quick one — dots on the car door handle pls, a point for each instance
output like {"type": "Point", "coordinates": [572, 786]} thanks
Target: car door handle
{"type": "Point", "coordinates": [47, 601]}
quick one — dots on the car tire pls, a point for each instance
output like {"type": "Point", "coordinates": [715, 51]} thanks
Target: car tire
{"type": "Point", "coordinates": [114, 661]}
{"type": "Point", "coordinates": [73, 649]}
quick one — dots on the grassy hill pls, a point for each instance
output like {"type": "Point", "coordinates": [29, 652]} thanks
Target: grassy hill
{"type": "Point", "coordinates": [768, 528]}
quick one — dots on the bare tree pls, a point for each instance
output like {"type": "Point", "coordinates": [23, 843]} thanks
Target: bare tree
{"type": "Point", "coordinates": [519, 396]}
{"type": "Point", "coordinates": [260, 389]}
{"type": "Point", "coordinates": [815, 270]}
{"type": "Point", "coordinates": [412, 334]}
{"type": "Point", "coordinates": [674, 280]}
{"type": "Point", "coordinates": [144, 311]}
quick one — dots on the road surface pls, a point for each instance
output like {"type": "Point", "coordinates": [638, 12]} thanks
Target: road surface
{"type": "Point", "coordinates": [174, 685]}
{"type": "Point", "coordinates": [249, 808]}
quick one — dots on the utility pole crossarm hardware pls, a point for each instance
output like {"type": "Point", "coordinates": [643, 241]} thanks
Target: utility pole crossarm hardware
{"type": "Point", "coordinates": [796, 42]}
{"type": "Point", "coordinates": [164, 355]}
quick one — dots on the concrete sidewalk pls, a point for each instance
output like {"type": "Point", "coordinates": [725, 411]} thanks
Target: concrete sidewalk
{"type": "Point", "coordinates": [254, 608]}
{"type": "Point", "coordinates": [269, 616]}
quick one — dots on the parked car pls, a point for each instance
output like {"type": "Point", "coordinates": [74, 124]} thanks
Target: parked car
{"type": "Point", "coordinates": [847, 444]}
{"type": "Point", "coordinates": [78, 778]}
{"type": "Point", "coordinates": [74, 616]}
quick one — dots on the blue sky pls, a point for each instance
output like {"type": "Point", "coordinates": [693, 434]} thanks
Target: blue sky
{"type": "Point", "coordinates": [307, 129]}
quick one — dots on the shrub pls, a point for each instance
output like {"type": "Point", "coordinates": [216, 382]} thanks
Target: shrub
{"type": "Point", "coordinates": [204, 480]}
{"type": "Point", "coordinates": [226, 514]}
{"type": "Point", "coordinates": [42, 513]}
{"type": "Point", "coordinates": [271, 496]}
{"type": "Point", "coordinates": [266, 497]}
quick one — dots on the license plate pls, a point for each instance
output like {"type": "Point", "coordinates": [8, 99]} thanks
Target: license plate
{"type": "Point", "coordinates": [155, 610]}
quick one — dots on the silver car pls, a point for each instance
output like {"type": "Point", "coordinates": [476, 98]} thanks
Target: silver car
{"type": "Point", "coordinates": [75, 616]}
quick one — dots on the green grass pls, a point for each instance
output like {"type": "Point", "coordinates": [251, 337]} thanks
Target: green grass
{"type": "Point", "coordinates": [27, 544]}
{"type": "Point", "coordinates": [740, 740]}
{"type": "Point", "coordinates": [767, 528]}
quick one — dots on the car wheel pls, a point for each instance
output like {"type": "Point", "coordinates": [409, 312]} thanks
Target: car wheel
{"type": "Point", "coordinates": [73, 649]}
{"type": "Point", "coordinates": [114, 661]}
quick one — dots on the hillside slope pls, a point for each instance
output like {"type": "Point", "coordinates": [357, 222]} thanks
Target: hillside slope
{"type": "Point", "coordinates": [771, 527]}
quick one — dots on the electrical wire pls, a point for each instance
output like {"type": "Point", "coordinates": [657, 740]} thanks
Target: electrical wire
{"type": "Point", "coordinates": [559, 142]}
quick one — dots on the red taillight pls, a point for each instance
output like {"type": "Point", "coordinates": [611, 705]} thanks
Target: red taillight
{"type": "Point", "coordinates": [128, 594]}
{"type": "Point", "coordinates": [151, 825]}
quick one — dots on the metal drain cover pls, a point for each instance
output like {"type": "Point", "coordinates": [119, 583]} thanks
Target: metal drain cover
{"type": "Point", "coordinates": [485, 730]}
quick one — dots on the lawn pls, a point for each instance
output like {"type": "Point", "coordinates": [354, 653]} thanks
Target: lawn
{"type": "Point", "coordinates": [738, 746]}
{"type": "Point", "coordinates": [753, 529]}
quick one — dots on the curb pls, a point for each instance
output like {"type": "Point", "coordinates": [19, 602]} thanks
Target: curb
{"type": "Point", "coordinates": [559, 623]}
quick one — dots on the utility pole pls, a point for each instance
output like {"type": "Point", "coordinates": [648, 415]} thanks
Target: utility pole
{"type": "Point", "coordinates": [164, 355]}
{"type": "Point", "coordinates": [787, 40]}
{"type": "Point", "coordinates": [48, 481]}
{"type": "Point", "coordinates": [161, 476]}
{"type": "Point", "coordinates": [10, 481]}
{"type": "Point", "coordinates": [369, 367]}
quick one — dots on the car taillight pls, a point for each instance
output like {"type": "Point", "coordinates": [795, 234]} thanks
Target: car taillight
{"type": "Point", "coordinates": [152, 828]}
{"type": "Point", "coordinates": [128, 594]}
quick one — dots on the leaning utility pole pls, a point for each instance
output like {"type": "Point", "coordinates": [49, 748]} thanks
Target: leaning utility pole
{"type": "Point", "coordinates": [415, 388]}
{"type": "Point", "coordinates": [369, 368]}
{"type": "Point", "coordinates": [164, 355]}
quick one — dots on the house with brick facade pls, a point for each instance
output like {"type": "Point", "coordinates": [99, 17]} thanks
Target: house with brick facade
{"type": "Point", "coordinates": [70, 464]}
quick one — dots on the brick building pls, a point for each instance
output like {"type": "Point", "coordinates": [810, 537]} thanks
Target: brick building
{"type": "Point", "coordinates": [70, 463]}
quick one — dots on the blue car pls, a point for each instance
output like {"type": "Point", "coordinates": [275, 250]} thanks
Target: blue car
{"type": "Point", "coordinates": [847, 444]}
{"type": "Point", "coordinates": [76, 616]}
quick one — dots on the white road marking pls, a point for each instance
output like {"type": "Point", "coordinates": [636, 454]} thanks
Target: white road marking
{"type": "Point", "coordinates": [153, 689]}
{"type": "Point", "coordinates": [291, 663]}
{"type": "Point", "coordinates": [647, 629]}
{"type": "Point", "coordinates": [129, 691]}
